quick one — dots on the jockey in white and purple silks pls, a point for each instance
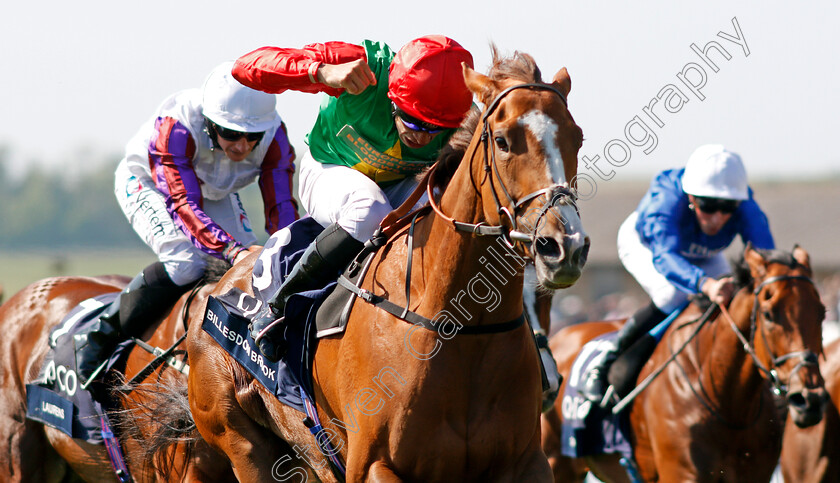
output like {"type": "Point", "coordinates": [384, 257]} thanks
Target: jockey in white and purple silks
{"type": "Point", "coordinates": [178, 184]}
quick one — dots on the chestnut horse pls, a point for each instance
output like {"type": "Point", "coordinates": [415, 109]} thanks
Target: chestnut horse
{"type": "Point", "coordinates": [31, 451]}
{"type": "Point", "coordinates": [710, 415]}
{"type": "Point", "coordinates": [402, 402]}
{"type": "Point", "coordinates": [812, 455]}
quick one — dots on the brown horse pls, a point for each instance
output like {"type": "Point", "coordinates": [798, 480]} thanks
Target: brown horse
{"type": "Point", "coordinates": [400, 401]}
{"type": "Point", "coordinates": [31, 451]}
{"type": "Point", "coordinates": [710, 415]}
{"type": "Point", "coordinates": [812, 455]}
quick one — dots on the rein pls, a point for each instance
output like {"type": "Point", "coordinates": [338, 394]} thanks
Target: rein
{"type": "Point", "coordinates": [649, 379]}
{"type": "Point", "coordinates": [807, 357]}
{"type": "Point", "coordinates": [397, 219]}
{"type": "Point", "coordinates": [165, 356]}
{"type": "Point", "coordinates": [556, 192]}
{"type": "Point", "coordinates": [403, 313]}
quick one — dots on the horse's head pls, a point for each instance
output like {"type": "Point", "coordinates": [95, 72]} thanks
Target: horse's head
{"type": "Point", "coordinates": [786, 317]}
{"type": "Point", "coordinates": [529, 144]}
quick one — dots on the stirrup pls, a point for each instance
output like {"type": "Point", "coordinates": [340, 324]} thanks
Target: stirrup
{"type": "Point", "coordinates": [270, 347]}
{"type": "Point", "coordinates": [594, 385]}
{"type": "Point", "coordinates": [264, 332]}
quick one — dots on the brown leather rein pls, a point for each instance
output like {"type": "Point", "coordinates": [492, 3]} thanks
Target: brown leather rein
{"type": "Point", "coordinates": [396, 221]}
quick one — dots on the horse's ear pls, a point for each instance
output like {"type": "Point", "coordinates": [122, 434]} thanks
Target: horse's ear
{"type": "Point", "coordinates": [481, 85]}
{"type": "Point", "coordinates": [801, 256]}
{"type": "Point", "coordinates": [562, 82]}
{"type": "Point", "coordinates": [757, 263]}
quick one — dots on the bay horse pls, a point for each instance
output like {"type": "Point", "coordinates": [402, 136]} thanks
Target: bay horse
{"type": "Point", "coordinates": [32, 451]}
{"type": "Point", "coordinates": [710, 414]}
{"type": "Point", "coordinates": [401, 402]}
{"type": "Point", "coordinates": [812, 455]}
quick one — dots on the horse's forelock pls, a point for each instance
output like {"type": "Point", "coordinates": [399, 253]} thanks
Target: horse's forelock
{"type": "Point", "coordinates": [519, 66]}
{"type": "Point", "coordinates": [743, 276]}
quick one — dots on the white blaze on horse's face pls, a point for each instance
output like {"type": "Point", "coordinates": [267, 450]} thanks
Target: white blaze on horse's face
{"type": "Point", "coordinates": [545, 131]}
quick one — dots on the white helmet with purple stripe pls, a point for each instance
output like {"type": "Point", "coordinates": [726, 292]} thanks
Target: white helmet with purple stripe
{"type": "Point", "coordinates": [231, 105]}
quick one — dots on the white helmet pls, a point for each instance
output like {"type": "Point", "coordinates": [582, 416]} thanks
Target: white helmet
{"type": "Point", "coordinates": [231, 105]}
{"type": "Point", "coordinates": [714, 172]}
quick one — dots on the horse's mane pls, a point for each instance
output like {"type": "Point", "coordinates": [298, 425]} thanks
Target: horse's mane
{"type": "Point", "coordinates": [519, 66]}
{"type": "Point", "coordinates": [215, 270]}
{"type": "Point", "coordinates": [160, 421]}
{"type": "Point", "coordinates": [743, 276]}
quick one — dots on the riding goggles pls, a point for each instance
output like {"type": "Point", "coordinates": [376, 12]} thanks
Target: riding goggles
{"type": "Point", "coordinates": [233, 136]}
{"type": "Point", "coordinates": [713, 205]}
{"type": "Point", "coordinates": [416, 124]}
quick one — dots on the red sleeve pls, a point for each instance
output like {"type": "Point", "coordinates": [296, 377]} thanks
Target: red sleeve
{"type": "Point", "coordinates": [275, 70]}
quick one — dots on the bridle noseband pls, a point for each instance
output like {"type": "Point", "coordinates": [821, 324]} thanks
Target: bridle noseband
{"type": "Point", "coordinates": [806, 356]}
{"type": "Point", "coordinates": [555, 193]}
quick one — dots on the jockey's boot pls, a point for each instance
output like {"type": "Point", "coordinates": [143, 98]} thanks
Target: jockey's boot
{"type": "Point", "coordinates": [144, 300]}
{"type": "Point", "coordinates": [322, 262]}
{"type": "Point", "coordinates": [595, 384]}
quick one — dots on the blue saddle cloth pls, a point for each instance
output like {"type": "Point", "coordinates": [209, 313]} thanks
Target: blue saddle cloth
{"type": "Point", "coordinates": [228, 315]}
{"type": "Point", "coordinates": [589, 429]}
{"type": "Point", "coordinates": [56, 398]}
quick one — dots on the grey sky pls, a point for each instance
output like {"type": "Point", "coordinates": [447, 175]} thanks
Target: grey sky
{"type": "Point", "coordinates": [87, 74]}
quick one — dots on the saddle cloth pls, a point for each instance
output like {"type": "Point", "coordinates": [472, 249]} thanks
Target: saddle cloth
{"type": "Point", "coordinates": [589, 429]}
{"type": "Point", "coordinates": [228, 315]}
{"type": "Point", "coordinates": [55, 397]}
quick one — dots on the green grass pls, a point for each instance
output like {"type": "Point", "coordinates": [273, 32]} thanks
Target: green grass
{"type": "Point", "coordinates": [20, 269]}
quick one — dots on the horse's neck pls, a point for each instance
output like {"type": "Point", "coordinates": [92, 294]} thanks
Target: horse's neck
{"type": "Point", "coordinates": [479, 276]}
{"type": "Point", "coordinates": [728, 375]}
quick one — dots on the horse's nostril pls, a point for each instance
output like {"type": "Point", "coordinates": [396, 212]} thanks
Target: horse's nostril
{"type": "Point", "coordinates": [797, 400]}
{"type": "Point", "coordinates": [581, 254]}
{"type": "Point", "coordinates": [548, 248]}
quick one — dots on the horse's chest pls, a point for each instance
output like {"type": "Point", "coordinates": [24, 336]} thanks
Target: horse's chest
{"type": "Point", "coordinates": [735, 458]}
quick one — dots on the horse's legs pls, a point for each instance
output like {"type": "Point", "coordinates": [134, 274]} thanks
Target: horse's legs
{"type": "Point", "coordinates": [89, 461]}
{"type": "Point", "coordinates": [26, 455]}
{"type": "Point", "coordinates": [256, 453]}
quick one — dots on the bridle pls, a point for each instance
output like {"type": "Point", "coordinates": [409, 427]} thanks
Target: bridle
{"type": "Point", "coordinates": [556, 193]}
{"type": "Point", "coordinates": [807, 358]}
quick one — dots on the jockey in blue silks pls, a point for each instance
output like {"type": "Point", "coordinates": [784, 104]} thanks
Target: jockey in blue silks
{"type": "Point", "coordinates": [673, 243]}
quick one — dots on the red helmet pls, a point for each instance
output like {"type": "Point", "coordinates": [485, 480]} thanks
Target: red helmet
{"type": "Point", "coordinates": [426, 81]}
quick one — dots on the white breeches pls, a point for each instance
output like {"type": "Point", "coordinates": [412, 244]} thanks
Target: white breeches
{"type": "Point", "coordinates": [333, 193]}
{"type": "Point", "coordinates": [145, 209]}
{"type": "Point", "coordinates": [638, 260]}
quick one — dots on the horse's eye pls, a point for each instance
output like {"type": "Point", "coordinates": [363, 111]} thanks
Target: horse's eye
{"type": "Point", "coordinates": [768, 316]}
{"type": "Point", "coordinates": [502, 144]}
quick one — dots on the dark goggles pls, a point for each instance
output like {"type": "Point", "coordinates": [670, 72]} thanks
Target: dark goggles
{"type": "Point", "coordinates": [713, 205]}
{"type": "Point", "coordinates": [416, 124]}
{"type": "Point", "coordinates": [233, 136]}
